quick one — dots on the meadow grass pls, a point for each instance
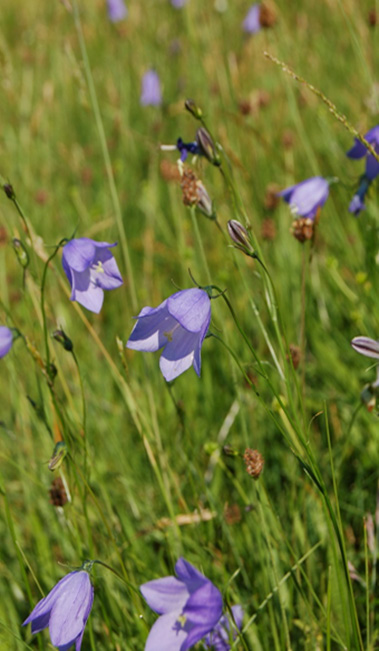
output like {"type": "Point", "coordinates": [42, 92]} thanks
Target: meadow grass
{"type": "Point", "coordinates": [146, 471]}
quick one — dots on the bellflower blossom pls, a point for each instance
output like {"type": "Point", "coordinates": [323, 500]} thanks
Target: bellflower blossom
{"type": "Point", "coordinates": [251, 23]}
{"type": "Point", "coordinates": [218, 639]}
{"type": "Point", "coordinates": [151, 94]}
{"type": "Point", "coordinates": [90, 268]}
{"type": "Point", "coordinates": [359, 151]}
{"type": "Point", "coordinates": [178, 325]}
{"type": "Point", "coordinates": [190, 607]}
{"type": "Point", "coordinates": [65, 611]}
{"type": "Point", "coordinates": [306, 197]}
{"type": "Point", "coordinates": [178, 4]}
{"type": "Point", "coordinates": [6, 340]}
{"type": "Point", "coordinates": [116, 10]}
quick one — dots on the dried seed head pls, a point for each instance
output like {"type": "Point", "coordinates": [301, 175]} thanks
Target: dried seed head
{"type": "Point", "coordinates": [268, 229]}
{"type": "Point", "coordinates": [303, 229]}
{"type": "Point", "coordinates": [267, 15]}
{"type": "Point", "coordinates": [372, 18]}
{"type": "Point", "coordinates": [57, 492]}
{"type": "Point", "coordinates": [195, 194]}
{"type": "Point", "coordinates": [254, 462]}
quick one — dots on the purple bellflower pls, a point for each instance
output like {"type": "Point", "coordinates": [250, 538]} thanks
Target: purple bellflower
{"type": "Point", "coordinates": [178, 4]}
{"type": "Point", "coordinates": [359, 151]}
{"type": "Point", "coordinates": [65, 611]}
{"type": "Point", "coordinates": [151, 94]}
{"type": "Point", "coordinates": [90, 268]}
{"type": "Point", "coordinates": [178, 325]}
{"type": "Point", "coordinates": [6, 340]}
{"type": "Point", "coordinates": [366, 346]}
{"type": "Point", "coordinates": [218, 639]}
{"type": "Point", "coordinates": [189, 607]}
{"type": "Point", "coordinates": [252, 24]}
{"type": "Point", "coordinates": [306, 197]}
{"type": "Point", "coordinates": [116, 10]}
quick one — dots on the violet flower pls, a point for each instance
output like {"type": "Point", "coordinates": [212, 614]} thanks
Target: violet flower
{"type": "Point", "coordinates": [151, 94]}
{"type": "Point", "coordinates": [178, 4]}
{"type": "Point", "coordinates": [218, 639]}
{"type": "Point", "coordinates": [186, 148]}
{"type": "Point", "coordinates": [366, 346]}
{"type": "Point", "coordinates": [251, 23]}
{"type": "Point", "coordinates": [65, 610]}
{"type": "Point", "coordinates": [306, 197]}
{"type": "Point", "coordinates": [6, 340]}
{"type": "Point", "coordinates": [189, 607]}
{"type": "Point", "coordinates": [359, 151]}
{"type": "Point", "coordinates": [90, 268]}
{"type": "Point", "coordinates": [178, 325]}
{"type": "Point", "coordinates": [116, 10]}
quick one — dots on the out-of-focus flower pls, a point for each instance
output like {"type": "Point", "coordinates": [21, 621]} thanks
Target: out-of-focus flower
{"type": "Point", "coordinates": [6, 340]}
{"type": "Point", "coordinates": [251, 23]}
{"type": "Point", "coordinates": [359, 151]}
{"type": "Point", "coordinates": [307, 197]}
{"type": "Point", "coordinates": [186, 148]}
{"type": "Point", "coordinates": [178, 4]}
{"type": "Point", "coordinates": [218, 639]}
{"type": "Point", "coordinates": [65, 610]}
{"type": "Point", "coordinates": [179, 326]}
{"type": "Point", "coordinates": [116, 10]}
{"type": "Point", "coordinates": [90, 268]}
{"type": "Point", "coordinates": [151, 94]}
{"type": "Point", "coordinates": [189, 605]}
{"type": "Point", "coordinates": [357, 203]}
{"type": "Point", "coordinates": [366, 346]}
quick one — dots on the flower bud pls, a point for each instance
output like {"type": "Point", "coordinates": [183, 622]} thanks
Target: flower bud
{"type": "Point", "coordinates": [366, 346]}
{"type": "Point", "coordinates": [21, 252]}
{"type": "Point", "coordinates": [8, 189]}
{"type": "Point", "coordinates": [207, 146]}
{"type": "Point", "coordinates": [193, 108]}
{"type": "Point", "coordinates": [239, 235]}
{"type": "Point", "coordinates": [59, 453]}
{"type": "Point", "coordinates": [61, 337]}
{"type": "Point", "coordinates": [204, 202]}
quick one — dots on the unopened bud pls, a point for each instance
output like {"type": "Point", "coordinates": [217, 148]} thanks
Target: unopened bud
{"type": "Point", "coordinates": [193, 108]}
{"type": "Point", "coordinates": [61, 337]}
{"type": "Point", "coordinates": [52, 371]}
{"type": "Point", "coordinates": [207, 146]}
{"type": "Point", "coordinates": [239, 235]}
{"type": "Point", "coordinates": [59, 453]}
{"type": "Point", "coordinates": [8, 189]}
{"type": "Point", "coordinates": [229, 451]}
{"type": "Point", "coordinates": [204, 202]}
{"type": "Point", "coordinates": [366, 346]}
{"type": "Point", "coordinates": [21, 252]}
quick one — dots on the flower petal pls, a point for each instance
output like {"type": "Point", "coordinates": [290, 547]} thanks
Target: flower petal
{"type": "Point", "coordinates": [204, 606]}
{"type": "Point", "coordinates": [148, 333]}
{"type": "Point", "coordinates": [366, 346]}
{"type": "Point", "coordinates": [85, 292]}
{"type": "Point", "coordinates": [308, 195]}
{"type": "Point", "coordinates": [6, 340]}
{"type": "Point", "coordinates": [358, 150]}
{"type": "Point", "coordinates": [80, 253]}
{"type": "Point", "coordinates": [191, 307]}
{"type": "Point", "coordinates": [166, 635]}
{"type": "Point", "coordinates": [106, 274]}
{"type": "Point", "coordinates": [189, 574]}
{"type": "Point", "coordinates": [70, 611]}
{"type": "Point", "coordinates": [372, 166]}
{"type": "Point", "coordinates": [44, 606]}
{"type": "Point", "coordinates": [165, 595]}
{"type": "Point", "coordinates": [252, 24]}
{"type": "Point", "coordinates": [178, 354]}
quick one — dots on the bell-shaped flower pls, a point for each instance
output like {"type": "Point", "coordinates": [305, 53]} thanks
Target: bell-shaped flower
{"type": "Point", "coordinates": [178, 325]}
{"type": "Point", "coordinates": [366, 346]}
{"type": "Point", "coordinates": [178, 4]}
{"type": "Point", "coordinates": [189, 606]}
{"type": "Point", "coordinates": [65, 611]}
{"type": "Point", "coordinates": [219, 638]}
{"type": "Point", "coordinates": [306, 197]}
{"type": "Point", "coordinates": [359, 151]}
{"type": "Point", "coordinates": [90, 268]}
{"type": "Point", "coordinates": [116, 10]}
{"type": "Point", "coordinates": [252, 23]}
{"type": "Point", "coordinates": [151, 94]}
{"type": "Point", "coordinates": [6, 340]}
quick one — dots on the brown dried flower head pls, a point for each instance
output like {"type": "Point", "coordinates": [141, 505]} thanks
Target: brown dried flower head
{"type": "Point", "coordinates": [303, 229]}
{"type": "Point", "coordinates": [254, 462]}
{"type": "Point", "coordinates": [57, 492]}
{"type": "Point", "coordinates": [267, 15]}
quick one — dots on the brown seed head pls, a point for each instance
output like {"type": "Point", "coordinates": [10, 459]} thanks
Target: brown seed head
{"type": "Point", "coordinates": [267, 15]}
{"type": "Point", "coordinates": [372, 18]}
{"type": "Point", "coordinates": [57, 492]}
{"type": "Point", "coordinates": [303, 229]}
{"type": "Point", "coordinates": [254, 462]}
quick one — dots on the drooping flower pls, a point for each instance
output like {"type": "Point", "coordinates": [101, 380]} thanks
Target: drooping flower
{"type": "Point", "coordinates": [366, 346]}
{"type": "Point", "coordinates": [306, 197]}
{"type": "Point", "coordinates": [218, 639]}
{"type": "Point", "coordinates": [6, 340]}
{"type": "Point", "coordinates": [90, 268]}
{"type": "Point", "coordinates": [178, 325]}
{"type": "Point", "coordinates": [190, 607]}
{"type": "Point", "coordinates": [116, 10]}
{"type": "Point", "coordinates": [251, 23]}
{"type": "Point", "coordinates": [359, 151]}
{"type": "Point", "coordinates": [151, 94]}
{"type": "Point", "coordinates": [65, 610]}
